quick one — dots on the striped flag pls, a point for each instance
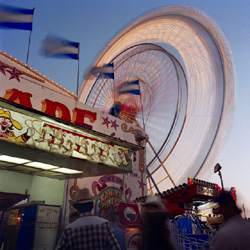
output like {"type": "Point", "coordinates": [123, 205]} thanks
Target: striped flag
{"type": "Point", "coordinates": [59, 48]}
{"type": "Point", "coordinates": [106, 70]}
{"type": "Point", "coordinates": [16, 18]}
{"type": "Point", "coordinates": [131, 87]}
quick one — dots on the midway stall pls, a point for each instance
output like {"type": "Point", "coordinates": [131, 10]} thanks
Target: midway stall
{"type": "Point", "coordinates": [183, 204]}
{"type": "Point", "coordinates": [51, 145]}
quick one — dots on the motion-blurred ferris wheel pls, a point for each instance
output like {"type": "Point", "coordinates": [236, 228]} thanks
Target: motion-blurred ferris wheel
{"type": "Point", "coordinates": [186, 75]}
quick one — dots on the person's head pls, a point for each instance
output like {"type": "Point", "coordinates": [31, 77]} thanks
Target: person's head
{"type": "Point", "coordinates": [73, 216]}
{"type": "Point", "coordinates": [83, 201]}
{"type": "Point", "coordinates": [84, 207]}
{"type": "Point", "coordinates": [227, 206]}
{"type": "Point", "coordinates": [154, 203]}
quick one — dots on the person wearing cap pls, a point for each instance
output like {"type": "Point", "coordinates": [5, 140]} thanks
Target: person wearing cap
{"type": "Point", "coordinates": [157, 233]}
{"type": "Point", "coordinates": [88, 231]}
{"type": "Point", "coordinates": [235, 233]}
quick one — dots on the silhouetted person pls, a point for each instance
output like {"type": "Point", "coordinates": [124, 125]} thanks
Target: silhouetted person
{"type": "Point", "coordinates": [157, 234]}
{"type": "Point", "coordinates": [235, 233]}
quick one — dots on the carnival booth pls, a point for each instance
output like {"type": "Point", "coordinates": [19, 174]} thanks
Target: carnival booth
{"type": "Point", "coordinates": [50, 143]}
{"type": "Point", "coordinates": [182, 203]}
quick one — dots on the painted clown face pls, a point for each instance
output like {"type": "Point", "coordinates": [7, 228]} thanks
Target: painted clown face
{"type": "Point", "coordinates": [5, 124]}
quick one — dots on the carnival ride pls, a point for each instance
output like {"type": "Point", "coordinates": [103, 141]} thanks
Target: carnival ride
{"type": "Point", "coordinates": [185, 70]}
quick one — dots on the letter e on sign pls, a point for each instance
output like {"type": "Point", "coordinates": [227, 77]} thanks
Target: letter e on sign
{"type": "Point", "coordinates": [80, 114]}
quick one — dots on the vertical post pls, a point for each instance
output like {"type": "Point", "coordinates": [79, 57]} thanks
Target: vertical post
{"type": "Point", "coordinates": [219, 173]}
{"type": "Point", "coordinates": [243, 208]}
{"type": "Point", "coordinates": [123, 187]}
{"type": "Point", "coordinates": [147, 141]}
{"type": "Point", "coordinates": [1, 219]}
{"type": "Point", "coordinates": [77, 87]}
{"type": "Point", "coordinates": [27, 59]}
{"type": "Point", "coordinates": [114, 88]}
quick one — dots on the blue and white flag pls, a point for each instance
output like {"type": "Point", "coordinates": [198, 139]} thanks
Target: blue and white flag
{"type": "Point", "coordinates": [16, 18]}
{"type": "Point", "coordinates": [106, 70]}
{"type": "Point", "coordinates": [59, 48]}
{"type": "Point", "coordinates": [131, 87]}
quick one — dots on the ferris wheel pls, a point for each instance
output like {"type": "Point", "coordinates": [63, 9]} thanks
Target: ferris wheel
{"type": "Point", "coordinates": [185, 71]}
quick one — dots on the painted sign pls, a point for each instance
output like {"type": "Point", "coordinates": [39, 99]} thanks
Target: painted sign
{"type": "Point", "coordinates": [108, 198]}
{"type": "Point", "coordinates": [109, 190]}
{"type": "Point", "coordinates": [29, 131]}
{"type": "Point", "coordinates": [133, 238]}
{"type": "Point", "coordinates": [24, 86]}
{"type": "Point", "coordinates": [14, 217]}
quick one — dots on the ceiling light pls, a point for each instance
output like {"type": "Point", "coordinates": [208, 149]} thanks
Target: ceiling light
{"type": "Point", "coordinates": [67, 171]}
{"type": "Point", "coordinates": [13, 159]}
{"type": "Point", "coordinates": [24, 169]}
{"type": "Point", "coordinates": [41, 165]}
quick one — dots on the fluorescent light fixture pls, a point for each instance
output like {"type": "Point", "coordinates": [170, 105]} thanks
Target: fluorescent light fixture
{"type": "Point", "coordinates": [40, 165]}
{"type": "Point", "coordinates": [25, 169]}
{"type": "Point", "coordinates": [67, 171]}
{"type": "Point", "coordinates": [13, 159]}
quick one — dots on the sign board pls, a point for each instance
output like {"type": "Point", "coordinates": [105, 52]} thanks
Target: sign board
{"type": "Point", "coordinates": [65, 140]}
{"type": "Point", "coordinates": [110, 189]}
{"type": "Point", "coordinates": [46, 227]}
{"type": "Point", "coordinates": [22, 85]}
{"type": "Point", "coordinates": [47, 117]}
{"type": "Point", "coordinates": [13, 217]}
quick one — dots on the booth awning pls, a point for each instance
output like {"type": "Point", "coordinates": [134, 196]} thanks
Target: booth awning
{"type": "Point", "coordinates": [59, 149]}
{"type": "Point", "coordinates": [8, 200]}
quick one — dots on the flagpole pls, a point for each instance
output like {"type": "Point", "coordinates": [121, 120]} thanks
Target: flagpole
{"type": "Point", "coordinates": [29, 44]}
{"type": "Point", "coordinates": [77, 87]}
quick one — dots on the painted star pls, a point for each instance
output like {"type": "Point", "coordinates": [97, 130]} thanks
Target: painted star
{"type": "Point", "coordinates": [106, 121]}
{"type": "Point", "coordinates": [2, 68]}
{"type": "Point", "coordinates": [14, 74]}
{"type": "Point", "coordinates": [114, 124]}
{"type": "Point", "coordinates": [141, 184]}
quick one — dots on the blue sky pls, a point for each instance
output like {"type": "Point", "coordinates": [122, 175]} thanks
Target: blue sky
{"type": "Point", "coordinates": [94, 23]}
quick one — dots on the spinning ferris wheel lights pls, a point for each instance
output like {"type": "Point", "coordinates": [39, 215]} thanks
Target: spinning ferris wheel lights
{"type": "Point", "coordinates": [187, 82]}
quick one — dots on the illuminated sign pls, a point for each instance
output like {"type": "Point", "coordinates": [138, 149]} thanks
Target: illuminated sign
{"type": "Point", "coordinates": [14, 217]}
{"type": "Point", "coordinates": [206, 191]}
